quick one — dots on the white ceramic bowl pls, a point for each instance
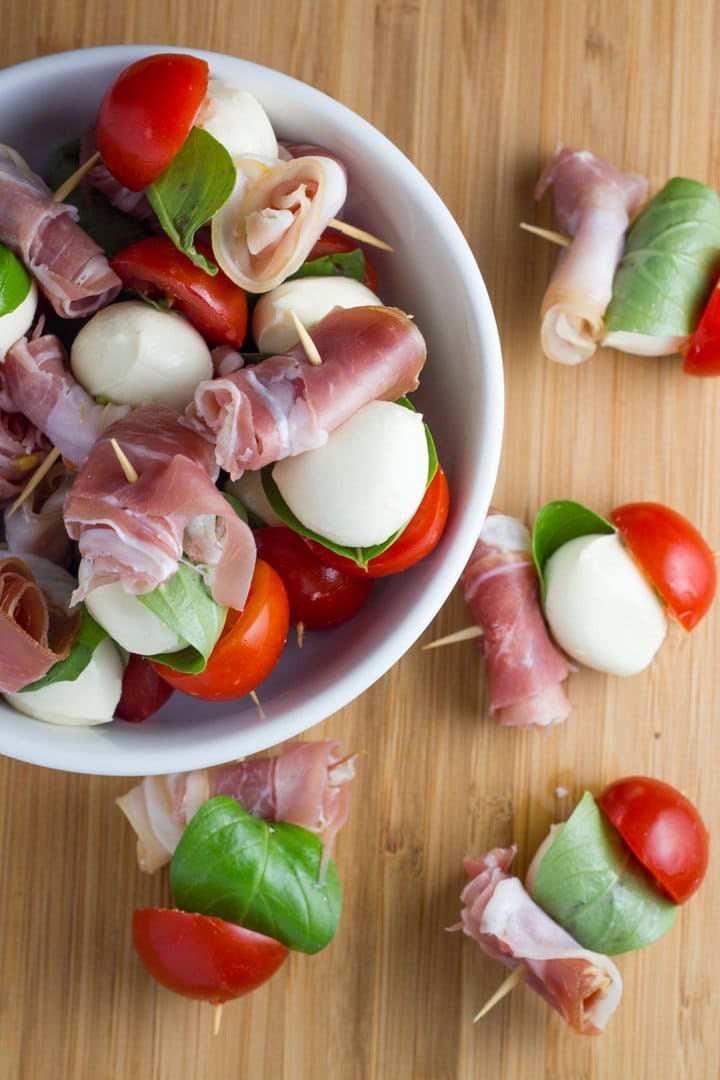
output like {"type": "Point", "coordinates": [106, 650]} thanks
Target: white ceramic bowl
{"type": "Point", "coordinates": [432, 275]}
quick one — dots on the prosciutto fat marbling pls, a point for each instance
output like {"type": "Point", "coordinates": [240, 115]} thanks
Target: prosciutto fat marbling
{"type": "Point", "coordinates": [136, 532]}
{"type": "Point", "coordinates": [583, 986]}
{"type": "Point", "coordinates": [594, 203]}
{"type": "Point", "coordinates": [305, 784]}
{"type": "Point", "coordinates": [68, 265]}
{"type": "Point", "coordinates": [35, 632]}
{"type": "Point", "coordinates": [523, 667]}
{"type": "Point", "coordinates": [285, 405]}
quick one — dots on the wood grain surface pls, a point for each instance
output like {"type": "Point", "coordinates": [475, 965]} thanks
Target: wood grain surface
{"type": "Point", "coordinates": [477, 94]}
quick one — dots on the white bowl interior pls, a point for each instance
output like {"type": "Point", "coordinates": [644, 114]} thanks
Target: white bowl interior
{"type": "Point", "coordinates": [432, 275]}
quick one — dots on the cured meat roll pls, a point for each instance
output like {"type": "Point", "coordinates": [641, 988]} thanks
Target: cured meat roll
{"type": "Point", "coordinates": [37, 527]}
{"type": "Point", "coordinates": [583, 986]}
{"type": "Point", "coordinates": [285, 405]}
{"type": "Point", "coordinates": [523, 667]}
{"type": "Point", "coordinates": [305, 784]}
{"type": "Point", "coordinates": [22, 449]}
{"type": "Point", "coordinates": [594, 203]}
{"type": "Point", "coordinates": [68, 265]}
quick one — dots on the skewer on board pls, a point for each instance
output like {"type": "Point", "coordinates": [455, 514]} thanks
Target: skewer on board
{"type": "Point", "coordinates": [515, 977]}
{"type": "Point", "coordinates": [311, 350]}
{"type": "Point", "coordinates": [466, 634]}
{"type": "Point", "coordinates": [72, 181]}
{"type": "Point", "coordinates": [41, 471]}
{"type": "Point", "coordinates": [547, 234]}
{"type": "Point", "coordinates": [359, 234]}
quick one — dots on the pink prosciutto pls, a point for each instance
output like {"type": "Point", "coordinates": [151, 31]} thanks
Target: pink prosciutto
{"type": "Point", "coordinates": [39, 382]}
{"type": "Point", "coordinates": [37, 527]}
{"type": "Point", "coordinates": [583, 986]}
{"type": "Point", "coordinates": [133, 203]}
{"type": "Point", "coordinates": [135, 533]}
{"type": "Point", "coordinates": [285, 405]}
{"type": "Point", "coordinates": [594, 203]}
{"type": "Point", "coordinates": [22, 449]}
{"type": "Point", "coordinates": [305, 784]}
{"type": "Point", "coordinates": [70, 268]}
{"type": "Point", "coordinates": [523, 667]}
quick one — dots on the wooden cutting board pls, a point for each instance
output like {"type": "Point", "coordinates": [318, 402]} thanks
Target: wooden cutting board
{"type": "Point", "coordinates": [477, 94]}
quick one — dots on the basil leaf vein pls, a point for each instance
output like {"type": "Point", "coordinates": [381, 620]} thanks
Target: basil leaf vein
{"type": "Point", "coordinates": [184, 604]}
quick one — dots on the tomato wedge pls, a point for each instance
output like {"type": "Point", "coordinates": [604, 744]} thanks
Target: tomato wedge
{"type": "Point", "coordinates": [215, 306]}
{"type": "Point", "coordinates": [673, 555]}
{"type": "Point", "coordinates": [333, 243]}
{"type": "Point", "coordinates": [143, 691]}
{"type": "Point", "coordinates": [417, 539]}
{"type": "Point", "coordinates": [663, 830]}
{"type": "Point", "coordinates": [702, 356]}
{"type": "Point", "coordinates": [147, 113]}
{"type": "Point", "coordinates": [249, 646]}
{"type": "Point", "coordinates": [204, 957]}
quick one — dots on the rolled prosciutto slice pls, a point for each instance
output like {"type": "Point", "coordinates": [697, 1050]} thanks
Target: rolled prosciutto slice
{"type": "Point", "coordinates": [34, 632]}
{"type": "Point", "coordinates": [135, 533]}
{"type": "Point", "coordinates": [22, 449]}
{"type": "Point", "coordinates": [524, 669]}
{"type": "Point", "coordinates": [285, 405]}
{"type": "Point", "coordinates": [594, 203]}
{"type": "Point", "coordinates": [305, 784]}
{"type": "Point", "coordinates": [41, 385]}
{"type": "Point", "coordinates": [37, 527]}
{"type": "Point", "coordinates": [583, 986]}
{"type": "Point", "coordinates": [268, 226]}
{"type": "Point", "coordinates": [69, 267]}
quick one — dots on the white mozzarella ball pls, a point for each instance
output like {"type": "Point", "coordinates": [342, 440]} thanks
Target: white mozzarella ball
{"type": "Point", "coordinates": [16, 323]}
{"type": "Point", "coordinates": [238, 121]}
{"type": "Point", "coordinates": [89, 699]}
{"type": "Point", "coordinates": [311, 298]}
{"type": "Point", "coordinates": [249, 490]}
{"type": "Point", "coordinates": [600, 608]}
{"type": "Point", "coordinates": [127, 620]}
{"type": "Point", "coordinates": [365, 482]}
{"type": "Point", "coordinates": [132, 354]}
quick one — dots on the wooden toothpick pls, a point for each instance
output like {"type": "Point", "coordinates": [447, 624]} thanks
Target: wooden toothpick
{"type": "Point", "coordinates": [300, 632]}
{"type": "Point", "coordinates": [359, 234]}
{"type": "Point", "coordinates": [547, 234]}
{"type": "Point", "coordinates": [126, 465]}
{"type": "Point", "coordinates": [465, 634]}
{"type": "Point", "coordinates": [217, 1018]}
{"type": "Point", "coordinates": [253, 697]}
{"type": "Point", "coordinates": [35, 479]}
{"type": "Point", "coordinates": [502, 991]}
{"type": "Point", "coordinates": [72, 181]}
{"type": "Point", "coordinates": [306, 341]}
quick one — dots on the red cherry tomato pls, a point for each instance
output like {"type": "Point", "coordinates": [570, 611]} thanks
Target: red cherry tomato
{"type": "Point", "coordinates": [143, 691]}
{"type": "Point", "coordinates": [249, 646]}
{"type": "Point", "coordinates": [673, 555]}
{"type": "Point", "coordinates": [663, 830]}
{"type": "Point", "coordinates": [147, 113]}
{"type": "Point", "coordinates": [702, 356]}
{"type": "Point", "coordinates": [333, 243]}
{"type": "Point", "coordinates": [203, 957]}
{"type": "Point", "coordinates": [416, 541]}
{"type": "Point", "coordinates": [320, 596]}
{"type": "Point", "coordinates": [215, 306]}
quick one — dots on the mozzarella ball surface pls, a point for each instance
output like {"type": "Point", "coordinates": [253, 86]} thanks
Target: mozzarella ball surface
{"type": "Point", "coordinates": [127, 620]}
{"type": "Point", "coordinates": [237, 120]}
{"type": "Point", "coordinates": [249, 490]}
{"type": "Point", "coordinates": [311, 298]}
{"type": "Point", "coordinates": [90, 699]}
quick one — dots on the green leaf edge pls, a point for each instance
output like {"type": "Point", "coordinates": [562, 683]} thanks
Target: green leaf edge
{"type": "Point", "coordinates": [558, 522]}
{"type": "Point", "coordinates": [88, 637]}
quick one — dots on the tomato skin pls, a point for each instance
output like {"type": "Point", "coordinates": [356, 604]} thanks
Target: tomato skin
{"type": "Point", "coordinates": [215, 306]}
{"type": "Point", "coordinates": [143, 691]}
{"type": "Point", "coordinates": [203, 957]}
{"type": "Point", "coordinates": [663, 830]}
{"type": "Point", "coordinates": [417, 540]}
{"type": "Point", "coordinates": [320, 596]}
{"type": "Point", "coordinates": [702, 355]}
{"type": "Point", "coordinates": [334, 243]}
{"type": "Point", "coordinates": [248, 648]}
{"type": "Point", "coordinates": [673, 555]}
{"type": "Point", "coordinates": [147, 113]}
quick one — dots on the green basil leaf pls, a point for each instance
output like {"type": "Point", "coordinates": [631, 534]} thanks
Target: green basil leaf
{"type": "Point", "coordinates": [196, 183]}
{"type": "Point", "coordinates": [88, 638]}
{"type": "Point", "coordinates": [590, 882]}
{"type": "Point", "coordinates": [349, 264]}
{"type": "Point", "coordinates": [560, 521]}
{"type": "Point", "coordinates": [107, 225]}
{"type": "Point", "coordinates": [234, 502]}
{"type": "Point", "coordinates": [185, 605]}
{"type": "Point", "coordinates": [259, 875]}
{"type": "Point", "coordinates": [672, 256]}
{"type": "Point", "coordinates": [15, 281]}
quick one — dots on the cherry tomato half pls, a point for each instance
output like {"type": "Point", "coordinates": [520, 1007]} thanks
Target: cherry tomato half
{"type": "Point", "coordinates": [673, 555]}
{"type": "Point", "coordinates": [143, 691]}
{"type": "Point", "coordinates": [663, 830]}
{"type": "Point", "coordinates": [147, 113]}
{"type": "Point", "coordinates": [204, 957]}
{"type": "Point", "coordinates": [215, 306]}
{"type": "Point", "coordinates": [333, 243]}
{"type": "Point", "coordinates": [417, 539]}
{"type": "Point", "coordinates": [320, 596]}
{"type": "Point", "coordinates": [249, 646]}
{"type": "Point", "coordinates": [702, 356]}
